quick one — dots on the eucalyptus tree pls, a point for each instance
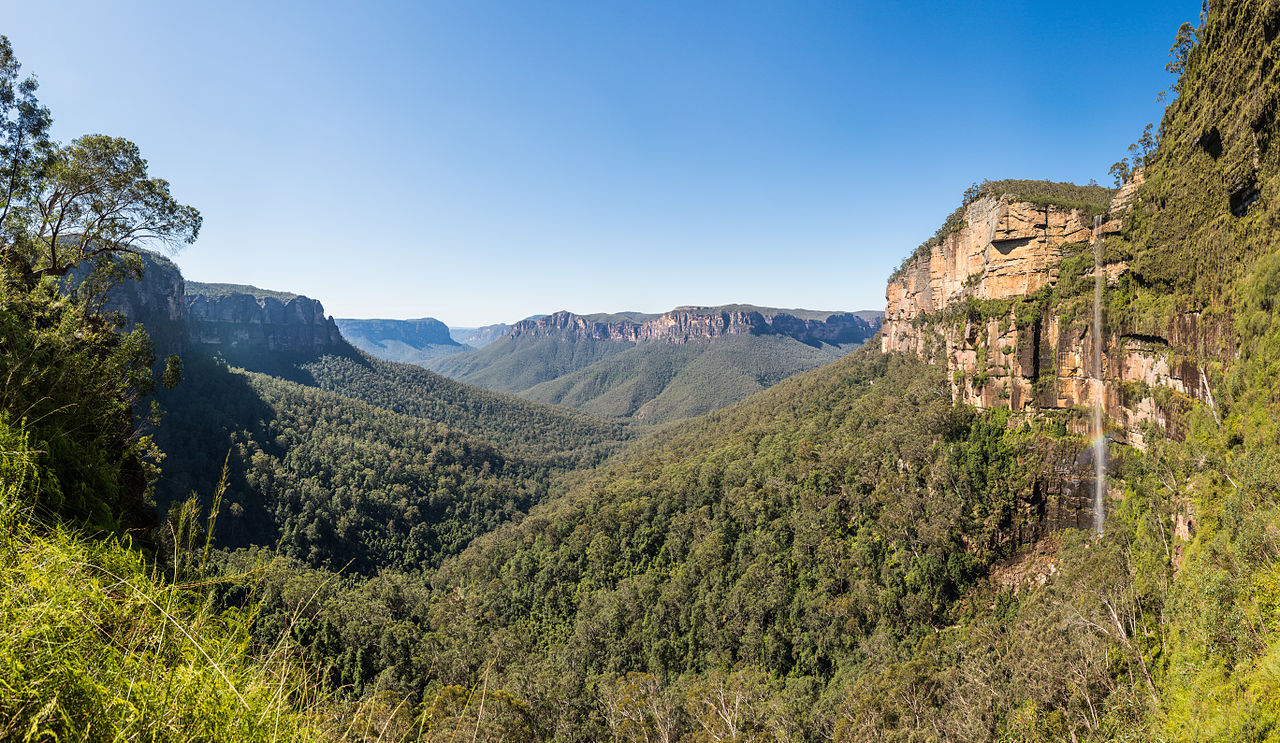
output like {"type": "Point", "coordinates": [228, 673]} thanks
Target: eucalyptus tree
{"type": "Point", "coordinates": [63, 205]}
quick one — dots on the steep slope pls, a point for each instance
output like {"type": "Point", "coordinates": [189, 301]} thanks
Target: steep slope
{"type": "Point", "coordinates": [289, 337]}
{"type": "Point", "coordinates": [516, 363]}
{"type": "Point", "coordinates": [234, 318]}
{"type": "Point", "coordinates": [874, 551]}
{"type": "Point", "coordinates": [332, 481]}
{"type": "Point", "coordinates": [407, 341]}
{"type": "Point", "coordinates": [337, 458]}
{"type": "Point", "coordinates": [546, 432]}
{"type": "Point", "coordinates": [657, 367]}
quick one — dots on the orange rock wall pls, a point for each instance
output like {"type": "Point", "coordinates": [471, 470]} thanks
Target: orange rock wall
{"type": "Point", "coordinates": [1011, 249]}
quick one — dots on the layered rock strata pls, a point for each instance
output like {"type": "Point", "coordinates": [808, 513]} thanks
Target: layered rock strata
{"type": "Point", "coordinates": [684, 324]}
{"type": "Point", "coordinates": [1008, 250]}
{"type": "Point", "coordinates": [245, 321]}
{"type": "Point", "coordinates": [155, 301]}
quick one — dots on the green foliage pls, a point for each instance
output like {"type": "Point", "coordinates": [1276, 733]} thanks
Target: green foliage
{"type": "Point", "coordinates": [1216, 141]}
{"type": "Point", "coordinates": [96, 647]}
{"type": "Point", "coordinates": [218, 291]}
{"type": "Point", "coordinates": [555, 436]}
{"type": "Point", "coordinates": [74, 381]}
{"type": "Point", "coordinates": [512, 364]}
{"type": "Point", "coordinates": [1090, 199]}
{"type": "Point", "coordinates": [332, 481]}
{"type": "Point", "coordinates": [662, 382]}
{"type": "Point", "coordinates": [784, 537]}
{"type": "Point", "coordinates": [649, 382]}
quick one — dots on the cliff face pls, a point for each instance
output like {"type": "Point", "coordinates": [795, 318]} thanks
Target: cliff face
{"type": "Point", "coordinates": [245, 321]}
{"type": "Point", "coordinates": [408, 341]}
{"type": "Point", "coordinates": [684, 324]}
{"type": "Point", "coordinates": [154, 301]}
{"type": "Point", "coordinates": [1004, 250]}
{"type": "Point", "coordinates": [420, 332]}
{"type": "Point", "coordinates": [972, 303]}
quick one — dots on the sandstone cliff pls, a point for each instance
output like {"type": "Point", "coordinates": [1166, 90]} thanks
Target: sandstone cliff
{"type": "Point", "coordinates": [254, 320]}
{"type": "Point", "coordinates": [153, 300]}
{"type": "Point", "coordinates": [982, 301]}
{"type": "Point", "coordinates": [684, 324]}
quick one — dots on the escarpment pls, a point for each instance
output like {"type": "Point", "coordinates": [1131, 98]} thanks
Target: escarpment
{"type": "Point", "coordinates": [244, 318]}
{"type": "Point", "coordinates": [154, 299]}
{"type": "Point", "coordinates": [1006, 300]}
{"type": "Point", "coordinates": [684, 324]}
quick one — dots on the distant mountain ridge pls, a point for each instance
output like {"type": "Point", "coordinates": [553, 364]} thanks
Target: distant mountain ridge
{"type": "Point", "coordinates": [409, 341]}
{"type": "Point", "coordinates": [658, 367]}
{"type": "Point", "coordinates": [481, 336]}
{"type": "Point", "coordinates": [687, 323]}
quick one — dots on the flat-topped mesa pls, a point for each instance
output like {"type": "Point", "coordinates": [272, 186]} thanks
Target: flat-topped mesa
{"type": "Point", "coordinates": [957, 301]}
{"type": "Point", "coordinates": [256, 320]}
{"type": "Point", "coordinates": [684, 324]}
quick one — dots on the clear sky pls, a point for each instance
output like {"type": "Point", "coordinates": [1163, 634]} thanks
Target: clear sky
{"type": "Point", "coordinates": [481, 161]}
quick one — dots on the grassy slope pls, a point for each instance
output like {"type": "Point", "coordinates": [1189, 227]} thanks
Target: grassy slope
{"type": "Point", "coordinates": [98, 643]}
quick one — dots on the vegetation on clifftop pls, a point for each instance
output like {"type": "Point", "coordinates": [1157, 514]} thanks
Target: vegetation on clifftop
{"type": "Point", "coordinates": [1091, 199]}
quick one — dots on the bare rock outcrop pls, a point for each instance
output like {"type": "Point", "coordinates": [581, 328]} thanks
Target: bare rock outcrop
{"type": "Point", "coordinates": [946, 304]}
{"type": "Point", "coordinates": [268, 323]}
{"type": "Point", "coordinates": [684, 324]}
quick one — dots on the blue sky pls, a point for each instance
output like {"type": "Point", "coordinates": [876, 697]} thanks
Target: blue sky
{"type": "Point", "coordinates": [480, 161]}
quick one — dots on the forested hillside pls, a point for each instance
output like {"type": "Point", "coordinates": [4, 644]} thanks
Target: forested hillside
{"type": "Point", "coordinates": [655, 382]}
{"type": "Point", "coordinates": [332, 481]}
{"type": "Point", "coordinates": [848, 555]}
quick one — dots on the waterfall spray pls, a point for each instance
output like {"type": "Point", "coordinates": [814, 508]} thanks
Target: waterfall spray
{"type": "Point", "coordinates": [1099, 390]}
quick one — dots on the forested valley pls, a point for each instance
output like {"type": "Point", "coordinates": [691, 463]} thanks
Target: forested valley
{"type": "Point", "coordinates": [244, 544]}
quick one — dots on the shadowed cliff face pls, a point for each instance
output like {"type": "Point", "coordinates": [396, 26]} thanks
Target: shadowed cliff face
{"type": "Point", "coordinates": [685, 324]}
{"type": "Point", "coordinates": [243, 321]}
{"type": "Point", "coordinates": [977, 303]}
{"type": "Point", "coordinates": [156, 302]}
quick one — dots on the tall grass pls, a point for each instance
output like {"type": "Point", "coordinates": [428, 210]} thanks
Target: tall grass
{"type": "Point", "coordinates": [101, 642]}
{"type": "Point", "coordinates": [97, 645]}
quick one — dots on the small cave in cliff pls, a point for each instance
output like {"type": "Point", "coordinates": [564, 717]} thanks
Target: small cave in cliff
{"type": "Point", "coordinates": [1211, 142]}
{"type": "Point", "coordinates": [1141, 340]}
{"type": "Point", "coordinates": [1243, 199]}
{"type": "Point", "coordinates": [1008, 246]}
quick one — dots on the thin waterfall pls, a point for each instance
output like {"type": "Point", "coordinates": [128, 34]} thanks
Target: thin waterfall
{"type": "Point", "coordinates": [1099, 433]}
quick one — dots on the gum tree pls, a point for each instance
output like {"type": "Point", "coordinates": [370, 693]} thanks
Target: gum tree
{"type": "Point", "coordinates": [64, 205]}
